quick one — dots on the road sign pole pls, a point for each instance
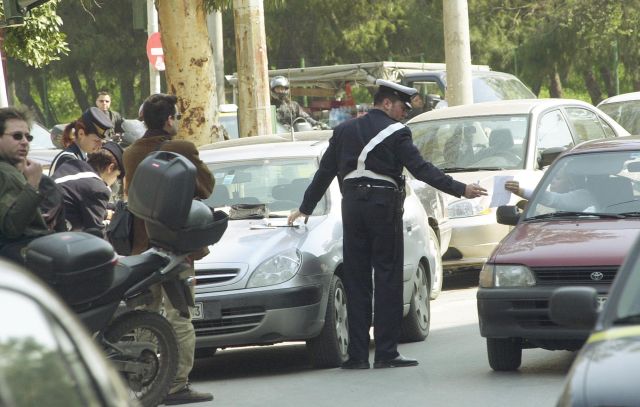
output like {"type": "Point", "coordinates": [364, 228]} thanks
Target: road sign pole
{"type": "Point", "coordinates": [152, 26]}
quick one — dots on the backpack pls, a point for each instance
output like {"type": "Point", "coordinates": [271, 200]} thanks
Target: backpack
{"type": "Point", "coordinates": [120, 230]}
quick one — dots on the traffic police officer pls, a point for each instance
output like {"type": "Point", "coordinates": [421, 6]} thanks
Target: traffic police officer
{"type": "Point", "coordinates": [368, 155]}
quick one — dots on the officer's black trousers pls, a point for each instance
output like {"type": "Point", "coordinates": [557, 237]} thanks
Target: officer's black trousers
{"type": "Point", "coordinates": [372, 227]}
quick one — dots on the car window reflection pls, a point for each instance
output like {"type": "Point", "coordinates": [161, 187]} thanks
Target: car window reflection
{"type": "Point", "coordinates": [39, 365]}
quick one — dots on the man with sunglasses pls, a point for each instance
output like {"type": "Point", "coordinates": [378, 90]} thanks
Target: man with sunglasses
{"type": "Point", "coordinates": [20, 218]}
{"type": "Point", "coordinates": [161, 116]}
{"type": "Point", "coordinates": [368, 155]}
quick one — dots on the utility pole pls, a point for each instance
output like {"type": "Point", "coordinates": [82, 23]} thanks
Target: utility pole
{"type": "Point", "coordinates": [457, 51]}
{"type": "Point", "coordinates": [152, 26]}
{"type": "Point", "coordinates": [214, 25]}
{"type": "Point", "coordinates": [254, 104]}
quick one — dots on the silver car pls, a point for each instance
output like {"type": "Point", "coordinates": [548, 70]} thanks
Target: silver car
{"type": "Point", "coordinates": [265, 282]}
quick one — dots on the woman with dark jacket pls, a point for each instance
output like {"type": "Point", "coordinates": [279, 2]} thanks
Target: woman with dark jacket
{"type": "Point", "coordinates": [82, 137]}
{"type": "Point", "coordinates": [85, 188]}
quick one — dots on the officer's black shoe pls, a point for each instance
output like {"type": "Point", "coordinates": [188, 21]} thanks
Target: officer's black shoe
{"type": "Point", "coordinates": [398, 361]}
{"type": "Point", "coordinates": [355, 364]}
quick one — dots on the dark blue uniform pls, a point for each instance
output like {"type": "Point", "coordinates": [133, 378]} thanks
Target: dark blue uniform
{"type": "Point", "coordinates": [85, 195]}
{"type": "Point", "coordinates": [72, 152]}
{"type": "Point", "coordinates": [372, 220]}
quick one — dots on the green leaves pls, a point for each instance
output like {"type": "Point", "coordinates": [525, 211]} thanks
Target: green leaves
{"type": "Point", "coordinates": [39, 41]}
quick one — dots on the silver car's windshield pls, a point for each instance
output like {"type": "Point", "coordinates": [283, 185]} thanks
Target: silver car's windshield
{"type": "Point", "coordinates": [278, 183]}
{"type": "Point", "coordinates": [488, 88]}
{"type": "Point", "coordinates": [626, 113]}
{"type": "Point", "coordinates": [484, 142]}
{"type": "Point", "coordinates": [602, 183]}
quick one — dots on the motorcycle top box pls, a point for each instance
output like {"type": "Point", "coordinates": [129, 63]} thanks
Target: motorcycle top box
{"type": "Point", "coordinates": [79, 266]}
{"type": "Point", "coordinates": [161, 194]}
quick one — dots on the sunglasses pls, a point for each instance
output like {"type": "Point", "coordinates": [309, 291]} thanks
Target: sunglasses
{"type": "Point", "coordinates": [18, 136]}
{"type": "Point", "coordinates": [177, 116]}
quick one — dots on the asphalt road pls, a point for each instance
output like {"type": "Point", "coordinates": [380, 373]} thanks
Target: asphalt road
{"type": "Point", "coordinates": [453, 370]}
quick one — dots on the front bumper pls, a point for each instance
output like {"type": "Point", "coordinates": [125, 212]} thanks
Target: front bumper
{"type": "Point", "coordinates": [250, 317]}
{"type": "Point", "coordinates": [523, 313]}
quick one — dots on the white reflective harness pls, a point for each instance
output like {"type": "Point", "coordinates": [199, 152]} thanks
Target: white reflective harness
{"type": "Point", "coordinates": [360, 170]}
{"type": "Point", "coordinates": [75, 177]}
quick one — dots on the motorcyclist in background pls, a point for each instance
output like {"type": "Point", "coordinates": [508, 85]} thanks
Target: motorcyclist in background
{"type": "Point", "coordinates": [287, 110]}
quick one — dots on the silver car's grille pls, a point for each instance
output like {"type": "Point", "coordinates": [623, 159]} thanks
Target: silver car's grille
{"type": "Point", "coordinates": [215, 276]}
{"type": "Point", "coordinates": [233, 320]}
{"type": "Point", "coordinates": [575, 275]}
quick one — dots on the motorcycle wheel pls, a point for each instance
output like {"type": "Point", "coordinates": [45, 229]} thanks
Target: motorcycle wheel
{"type": "Point", "coordinates": [158, 361]}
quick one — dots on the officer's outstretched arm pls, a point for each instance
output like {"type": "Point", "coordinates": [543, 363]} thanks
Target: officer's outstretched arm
{"type": "Point", "coordinates": [295, 215]}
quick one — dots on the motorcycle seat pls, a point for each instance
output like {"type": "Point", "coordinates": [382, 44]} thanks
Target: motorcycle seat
{"type": "Point", "coordinates": [128, 272]}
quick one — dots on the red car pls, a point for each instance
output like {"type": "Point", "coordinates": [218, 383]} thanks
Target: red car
{"type": "Point", "coordinates": [578, 226]}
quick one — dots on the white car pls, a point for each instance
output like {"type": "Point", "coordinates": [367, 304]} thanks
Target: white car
{"type": "Point", "coordinates": [265, 282]}
{"type": "Point", "coordinates": [625, 109]}
{"type": "Point", "coordinates": [492, 142]}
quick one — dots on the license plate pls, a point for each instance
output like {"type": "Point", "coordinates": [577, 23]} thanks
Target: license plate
{"type": "Point", "coordinates": [601, 300]}
{"type": "Point", "coordinates": [197, 312]}
{"type": "Point", "coordinates": [207, 310]}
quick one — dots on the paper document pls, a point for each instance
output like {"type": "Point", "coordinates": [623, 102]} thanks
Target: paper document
{"type": "Point", "coordinates": [500, 195]}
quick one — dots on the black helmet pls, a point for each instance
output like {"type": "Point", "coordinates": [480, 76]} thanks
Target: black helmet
{"type": "Point", "coordinates": [199, 214]}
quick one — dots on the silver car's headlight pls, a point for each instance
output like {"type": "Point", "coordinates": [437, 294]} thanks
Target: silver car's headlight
{"type": "Point", "coordinates": [468, 207]}
{"type": "Point", "coordinates": [277, 269]}
{"type": "Point", "coordinates": [510, 275]}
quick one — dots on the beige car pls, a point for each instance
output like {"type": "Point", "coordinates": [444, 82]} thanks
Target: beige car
{"type": "Point", "coordinates": [490, 143]}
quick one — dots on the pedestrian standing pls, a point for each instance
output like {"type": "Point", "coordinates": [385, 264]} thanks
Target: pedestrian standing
{"type": "Point", "coordinates": [103, 102]}
{"type": "Point", "coordinates": [161, 117]}
{"type": "Point", "coordinates": [82, 137]}
{"type": "Point", "coordinates": [367, 155]}
{"type": "Point", "coordinates": [20, 218]}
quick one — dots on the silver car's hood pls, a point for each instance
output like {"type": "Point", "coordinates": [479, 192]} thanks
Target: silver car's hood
{"type": "Point", "coordinates": [251, 241]}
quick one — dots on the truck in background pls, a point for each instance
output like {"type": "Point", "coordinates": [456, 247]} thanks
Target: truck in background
{"type": "Point", "coordinates": [334, 93]}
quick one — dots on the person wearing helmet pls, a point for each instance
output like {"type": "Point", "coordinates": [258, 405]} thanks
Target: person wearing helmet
{"type": "Point", "coordinates": [287, 110]}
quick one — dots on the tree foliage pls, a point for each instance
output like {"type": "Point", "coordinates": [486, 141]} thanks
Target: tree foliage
{"type": "Point", "coordinates": [39, 41]}
{"type": "Point", "coordinates": [580, 48]}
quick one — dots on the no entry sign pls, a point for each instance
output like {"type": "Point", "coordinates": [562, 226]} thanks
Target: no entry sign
{"type": "Point", "coordinates": [154, 51]}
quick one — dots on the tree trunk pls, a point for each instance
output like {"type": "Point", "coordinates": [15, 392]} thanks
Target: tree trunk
{"type": "Point", "coordinates": [608, 81]}
{"type": "Point", "coordinates": [23, 92]}
{"type": "Point", "coordinates": [592, 86]}
{"type": "Point", "coordinates": [189, 68]}
{"type": "Point", "coordinates": [536, 86]}
{"type": "Point", "coordinates": [127, 96]}
{"type": "Point", "coordinates": [555, 85]}
{"type": "Point", "coordinates": [76, 86]}
{"type": "Point", "coordinates": [92, 89]}
{"type": "Point", "coordinates": [254, 104]}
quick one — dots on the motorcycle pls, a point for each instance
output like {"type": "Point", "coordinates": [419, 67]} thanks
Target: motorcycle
{"type": "Point", "coordinates": [94, 281]}
{"type": "Point", "coordinates": [299, 124]}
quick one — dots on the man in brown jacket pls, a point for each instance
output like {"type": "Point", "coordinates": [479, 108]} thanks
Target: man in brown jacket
{"type": "Point", "coordinates": [161, 118]}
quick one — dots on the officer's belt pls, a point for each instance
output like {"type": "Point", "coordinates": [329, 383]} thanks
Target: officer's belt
{"type": "Point", "coordinates": [364, 185]}
{"type": "Point", "coordinates": [361, 171]}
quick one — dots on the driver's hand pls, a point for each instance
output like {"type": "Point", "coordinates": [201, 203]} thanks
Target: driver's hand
{"type": "Point", "coordinates": [295, 215]}
{"type": "Point", "coordinates": [513, 187]}
{"type": "Point", "coordinates": [474, 191]}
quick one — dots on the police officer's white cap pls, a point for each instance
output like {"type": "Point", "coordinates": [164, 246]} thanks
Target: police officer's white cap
{"type": "Point", "coordinates": [403, 92]}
